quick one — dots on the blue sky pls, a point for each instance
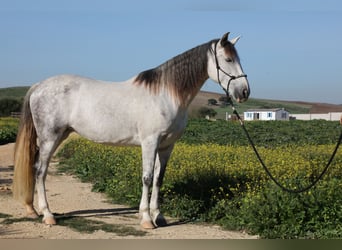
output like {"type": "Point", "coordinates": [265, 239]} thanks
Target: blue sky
{"type": "Point", "coordinates": [291, 50]}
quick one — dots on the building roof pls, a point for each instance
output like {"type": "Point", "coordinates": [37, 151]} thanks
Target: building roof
{"type": "Point", "coordinates": [265, 110]}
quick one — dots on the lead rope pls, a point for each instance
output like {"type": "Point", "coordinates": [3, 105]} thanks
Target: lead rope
{"type": "Point", "coordinates": [226, 90]}
{"type": "Point", "coordinates": [296, 191]}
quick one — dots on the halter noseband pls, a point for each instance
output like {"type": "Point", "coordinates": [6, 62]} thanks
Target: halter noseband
{"type": "Point", "coordinates": [218, 68]}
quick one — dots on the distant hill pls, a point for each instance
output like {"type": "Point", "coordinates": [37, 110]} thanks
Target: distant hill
{"type": "Point", "coordinates": [13, 92]}
{"type": "Point", "coordinates": [201, 100]}
{"type": "Point", "coordinates": [294, 107]}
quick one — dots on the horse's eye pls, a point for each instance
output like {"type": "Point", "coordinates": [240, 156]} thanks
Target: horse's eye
{"type": "Point", "coordinates": [229, 60]}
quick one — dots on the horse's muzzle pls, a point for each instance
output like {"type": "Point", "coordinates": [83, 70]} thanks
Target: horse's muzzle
{"type": "Point", "coordinates": [243, 95]}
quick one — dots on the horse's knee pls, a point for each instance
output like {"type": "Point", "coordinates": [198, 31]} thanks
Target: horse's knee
{"type": "Point", "coordinates": [147, 179]}
{"type": "Point", "coordinates": [40, 170]}
{"type": "Point", "coordinates": [39, 173]}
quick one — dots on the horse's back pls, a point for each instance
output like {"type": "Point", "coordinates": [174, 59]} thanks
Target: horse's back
{"type": "Point", "coordinates": [55, 94]}
{"type": "Point", "coordinates": [54, 100]}
{"type": "Point", "coordinates": [62, 84]}
{"type": "Point", "coordinates": [64, 88]}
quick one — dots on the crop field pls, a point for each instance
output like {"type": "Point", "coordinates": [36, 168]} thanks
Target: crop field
{"type": "Point", "coordinates": [214, 176]}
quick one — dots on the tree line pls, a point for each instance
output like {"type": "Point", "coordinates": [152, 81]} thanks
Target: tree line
{"type": "Point", "coordinates": [9, 105]}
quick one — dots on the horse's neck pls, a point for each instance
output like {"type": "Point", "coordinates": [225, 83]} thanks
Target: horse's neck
{"type": "Point", "coordinates": [184, 95]}
{"type": "Point", "coordinates": [192, 97]}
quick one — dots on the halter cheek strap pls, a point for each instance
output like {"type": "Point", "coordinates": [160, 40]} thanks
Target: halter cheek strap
{"type": "Point", "coordinates": [231, 77]}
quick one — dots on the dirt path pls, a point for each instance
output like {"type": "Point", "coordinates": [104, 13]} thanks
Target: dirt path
{"type": "Point", "coordinates": [69, 198]}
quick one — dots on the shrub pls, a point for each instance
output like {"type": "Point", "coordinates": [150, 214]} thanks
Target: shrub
{"type": "Point", "coordinates": [203, 112]}
{"type": "Point", "coordinates": [8, 130]}
{"type": "Point", "coordinates": [8, 105]}
{"type": "Point", "coordinates": [212, 102]}
{"type": "Point", "coordinates": [273, 213]}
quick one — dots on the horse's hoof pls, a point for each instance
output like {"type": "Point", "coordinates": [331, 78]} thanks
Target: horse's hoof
{"type": "Point", "coordinates": [147, 225]}
{"type": "Point", "coordinates": [32, 215]}
{"type": "Point", "coordinates": [160, 221]}
{"type": "Point", "coordinates": [49, 221]}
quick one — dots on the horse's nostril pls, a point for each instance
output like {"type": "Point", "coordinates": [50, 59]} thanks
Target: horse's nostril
{"type": "Point", "coordinates": [245, 93]}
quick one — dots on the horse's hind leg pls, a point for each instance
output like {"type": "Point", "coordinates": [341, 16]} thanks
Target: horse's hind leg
{"type": "Point", "coordinates": [45, 153]}
{"type": "Point", "coordinates": [46, 149]}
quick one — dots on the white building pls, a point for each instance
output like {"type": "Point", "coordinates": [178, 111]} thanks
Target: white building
{"type": "Point", "coordinates": [266, 114]}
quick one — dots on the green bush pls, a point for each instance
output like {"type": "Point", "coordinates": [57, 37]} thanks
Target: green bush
{"type": "Point", "coordinates": [272, 213]}
{"type": "Point", "coordinates": [8, 105]}
{"type": "Point", "coordinates": [8, 130]}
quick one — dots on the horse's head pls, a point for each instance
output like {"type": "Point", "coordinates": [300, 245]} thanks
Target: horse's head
{"type": "Point", "coordinates": [224, 67]}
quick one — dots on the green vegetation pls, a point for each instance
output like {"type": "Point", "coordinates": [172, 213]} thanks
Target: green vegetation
{"type": "Point", "coordinates": [266, 134]}
{"type": "Point", "coordinates": [9, 105]}
{"type": "Point", "coordinates": [11, 100]}
{"type": "Point", "coordinates": [217, 181]}
{"type": "Point", "coordinates": [204, 112]}
{"type": "Point", "coordinates": [8, 129]}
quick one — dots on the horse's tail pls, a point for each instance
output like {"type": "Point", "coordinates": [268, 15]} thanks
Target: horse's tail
{"type": "Point", "coordinates": [24, 156]}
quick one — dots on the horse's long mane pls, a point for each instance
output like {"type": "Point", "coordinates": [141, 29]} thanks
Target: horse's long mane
{"type": "Point", "coordinates": [182, 75]}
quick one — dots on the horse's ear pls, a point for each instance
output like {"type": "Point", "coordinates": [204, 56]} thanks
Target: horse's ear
{"type": "Point", "coordinates": [234, 40]}
{"type": "Point", "coordinates": [224, 39]}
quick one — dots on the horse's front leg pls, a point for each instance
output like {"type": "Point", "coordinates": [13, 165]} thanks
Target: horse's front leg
{"type": "Point", "coordinates": [159, 171]}
{"type": "Point", "coordinates": [149, 149]}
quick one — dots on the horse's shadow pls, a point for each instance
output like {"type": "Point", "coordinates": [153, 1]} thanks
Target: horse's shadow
{"type": "Point", "coordinates": [6, 181]}
{"type": "Point", "coordinates": [96, 213]}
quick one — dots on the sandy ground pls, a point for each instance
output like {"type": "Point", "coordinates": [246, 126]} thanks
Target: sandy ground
{"type": "Point", "coordinates": [67, 195]}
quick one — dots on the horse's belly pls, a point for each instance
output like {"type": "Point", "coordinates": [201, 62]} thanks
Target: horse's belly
{"type": "Point", "coordinates": [112, 133]}
{"type": "Point", "coordinates": [174, 133]}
